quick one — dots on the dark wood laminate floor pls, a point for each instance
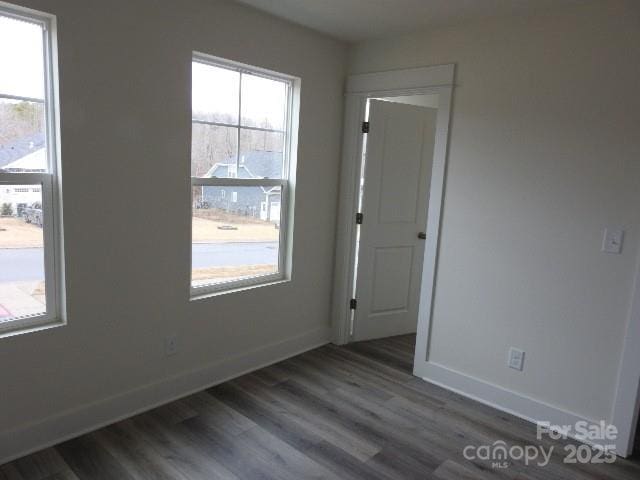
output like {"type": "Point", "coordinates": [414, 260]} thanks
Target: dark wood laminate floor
{"type": "Point", "coordinates": [336, 412]}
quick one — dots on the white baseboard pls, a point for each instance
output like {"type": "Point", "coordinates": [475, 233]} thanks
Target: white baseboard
{"type": "Point", "coordinates": [72, 423]}
{"type": "Point", "coordinates": [522, 406]}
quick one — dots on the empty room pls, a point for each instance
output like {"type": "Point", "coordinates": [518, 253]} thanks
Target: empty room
{"type": "Point", "coordinates": [304, 239]}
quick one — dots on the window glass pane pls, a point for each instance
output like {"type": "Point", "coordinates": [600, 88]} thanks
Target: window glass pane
{"type": "Point", "coordinates": [22, 287]}
{"type": "Point", "coordinates": [21, 58]}
{"type": "Point", "coordinates": [214, 151]}
{"type": "Point", "coordinates": [22, 136]}
{"type": "Point", "coordinates": [214, 94]}
{"type": "Point", "coordinates": [260, 154]}
{"type": "Point", "coordinates": [264, 102]}
{"type": "Point", "coordinates": [236, 233]}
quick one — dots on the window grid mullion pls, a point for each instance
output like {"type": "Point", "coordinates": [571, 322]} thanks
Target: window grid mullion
{"type": "Point", "coordinates": [8, 96]}
{"type": "Point", "coordinates": [24, 178]}
{"type": "Point", "coordinates": [285, 136]}
{"type": "Point", "coordinates": [235, 125]}
{"type": "Point", "coordinates": [238, 182]}
{"type": "Point", "coordinates": [239, 122]}
{"type": "Point", "coordinates": [48, 111]}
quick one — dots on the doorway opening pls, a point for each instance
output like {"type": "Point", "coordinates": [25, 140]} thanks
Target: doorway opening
{"type": "Point", "coordinates": [395, 163]}
{"type": "Point", "coordinates": [376, 98]}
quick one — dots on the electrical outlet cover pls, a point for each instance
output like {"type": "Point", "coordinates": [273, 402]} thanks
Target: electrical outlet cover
{"type": "Point", "coordinates": [516, 359]}
{"type": "Point", "coordinates": [170, 345]}
{"type": "Point", "coordinates": [612, 240]}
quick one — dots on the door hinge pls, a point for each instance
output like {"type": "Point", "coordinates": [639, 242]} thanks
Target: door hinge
{"type": "Point", "coordinates": [359, 218]}
{"type": "Point", "coordinates": [365, 127]}
{"type": "Point", "coordinates": [353, 304]}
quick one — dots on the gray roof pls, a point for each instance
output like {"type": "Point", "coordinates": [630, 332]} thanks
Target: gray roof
{"type": "Point", "coordinates": [257, 164]}
{"type": "Point", "coordinates": [20, 148]}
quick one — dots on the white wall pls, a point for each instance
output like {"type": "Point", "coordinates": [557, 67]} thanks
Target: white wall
{"type": "Point", "coordinates": [430, 101]}
{"type": "Point", "coordinates": [544, 153]}
{"type": "Point", "coordinates": [125, 71]}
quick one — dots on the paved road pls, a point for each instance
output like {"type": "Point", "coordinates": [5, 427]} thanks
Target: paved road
{"type": "Point", "coordinates": [21, 264]}
{"type": "Point", "coordinates": [26, 264]}
{"type": "Point", "coordinates": [223, 254]}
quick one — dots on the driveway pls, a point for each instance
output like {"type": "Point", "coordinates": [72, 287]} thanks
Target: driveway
{"type": "Point", "coordinates": [27, 264]}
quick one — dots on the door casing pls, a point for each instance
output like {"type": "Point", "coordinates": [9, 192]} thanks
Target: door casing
{"type": "Point", "coordinates": [435, 80]}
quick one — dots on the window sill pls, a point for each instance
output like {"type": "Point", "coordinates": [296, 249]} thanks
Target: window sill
{"type": "Point", "coordinates": [202, 293]}
{"type": "Point", "coordinates": [12, 328]}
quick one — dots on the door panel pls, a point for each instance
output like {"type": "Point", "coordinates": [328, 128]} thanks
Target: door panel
{"type": "Point", "coordinates": [400, 174]}
{"type": "Point", "coordinates": [395, 201]}
{"type": "Point", "coordinates": [391, 279]}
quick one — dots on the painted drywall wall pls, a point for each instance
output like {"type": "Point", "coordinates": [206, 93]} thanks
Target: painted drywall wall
{"type": "Point", "coordinates": [430, 101]}
{"type": "Point", "coordinates": [544, 153]}
{"type": "Point", "coordinates": [125, 73]}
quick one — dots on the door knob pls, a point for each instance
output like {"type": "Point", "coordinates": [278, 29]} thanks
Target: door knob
{"type": "Point", "coordinates": [422, 236]}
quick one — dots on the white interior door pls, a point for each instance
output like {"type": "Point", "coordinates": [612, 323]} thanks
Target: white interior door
{"type": "Point", "coordinates": [398, 162]}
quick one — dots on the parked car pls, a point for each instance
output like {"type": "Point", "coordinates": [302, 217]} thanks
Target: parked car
{"type": "Point", "coordinates": [33, 214]}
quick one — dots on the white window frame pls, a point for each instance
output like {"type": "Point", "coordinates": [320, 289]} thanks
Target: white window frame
{"type": "Point", "coordinates": [49, 182]}
{"type": "Point", "coordinates": [286, 183]}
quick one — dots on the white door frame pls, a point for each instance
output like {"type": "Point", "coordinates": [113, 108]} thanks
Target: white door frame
{"type": "Point", "coordinates": [626, 405]}
{"type": "Point", "coordinates": [415, 81]}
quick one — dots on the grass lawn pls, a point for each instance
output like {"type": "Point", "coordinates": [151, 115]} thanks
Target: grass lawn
{"type": "Point", "coordinates": [206, 228]}
{"type": "Point", "coordinates": [229, 272]}
{"type": "Point", "coordinates": [16, 233]}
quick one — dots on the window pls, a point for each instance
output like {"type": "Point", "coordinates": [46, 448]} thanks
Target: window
{"type": "Point", "coordinates": [242, 135]}
{"type": "Point", "coordinates": [29, 287]}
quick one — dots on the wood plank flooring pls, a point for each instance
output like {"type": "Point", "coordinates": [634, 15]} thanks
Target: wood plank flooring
{"type": "Point", "coordinates": [352, 412]}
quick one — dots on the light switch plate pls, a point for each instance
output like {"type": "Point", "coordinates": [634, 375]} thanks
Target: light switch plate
{"type": "Point", "coordinates": [612, 240]}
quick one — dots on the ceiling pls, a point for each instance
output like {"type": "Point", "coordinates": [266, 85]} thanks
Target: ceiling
{"type": "Point", "coordinates": [355, 20]}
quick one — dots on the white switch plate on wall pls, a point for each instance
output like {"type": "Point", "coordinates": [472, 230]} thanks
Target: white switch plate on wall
{"type": "Point", "coordinates": [612, 240]}
{"type": "Point", "coordinates": [516, 359]}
